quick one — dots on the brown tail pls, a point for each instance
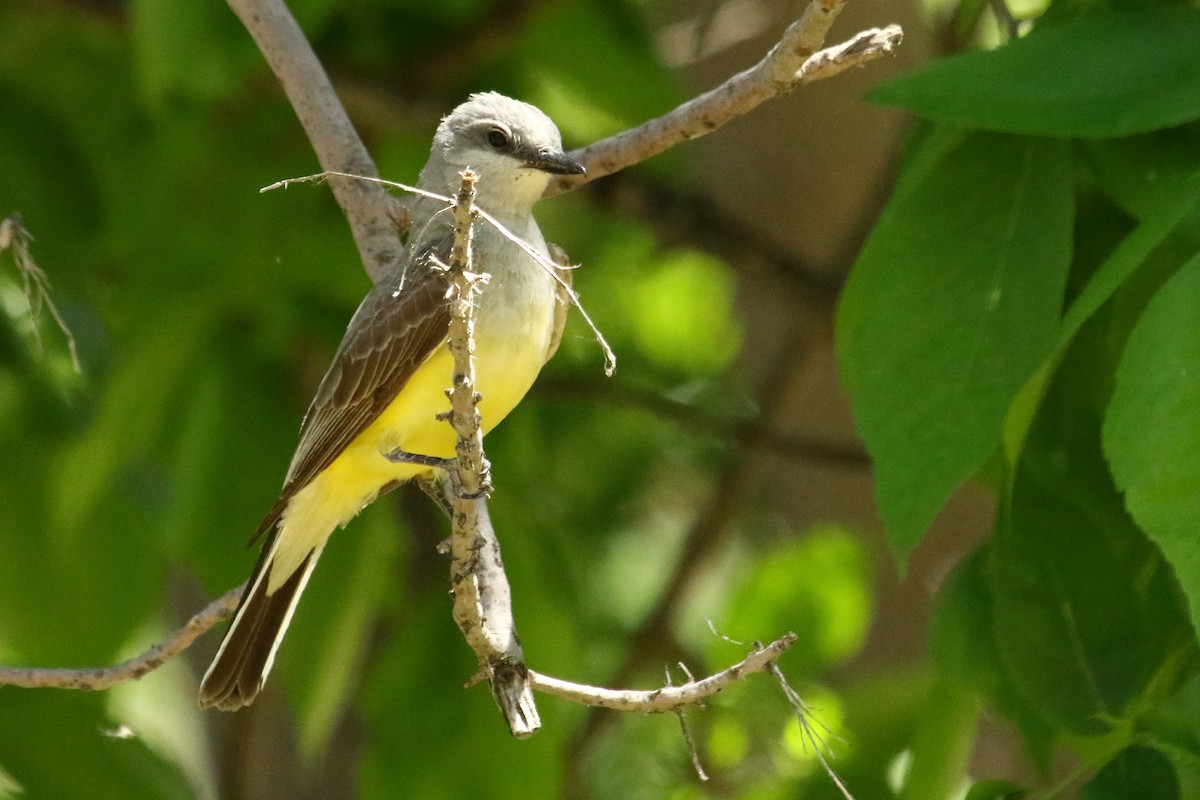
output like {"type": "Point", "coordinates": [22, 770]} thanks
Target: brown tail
{"type": "Point", "coordinates": [240, 669]}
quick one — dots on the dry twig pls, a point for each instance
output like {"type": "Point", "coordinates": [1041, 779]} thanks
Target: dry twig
{"type": "Point", "coordinates": [668, 698]}
{"type": "Point", "coordinates": [97, 678]}
{"type": "Point", "coordinates": [14, 236]}
{"type": "Point", "coordinates": [808, 732]}
{"type": "Point", "coordinates": [794, 61]}
{"type": "Point", "coordinates": [610, 358]}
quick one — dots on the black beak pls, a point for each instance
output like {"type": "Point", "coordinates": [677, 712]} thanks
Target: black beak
{"type": "Point", "coordinates": [554, 163]}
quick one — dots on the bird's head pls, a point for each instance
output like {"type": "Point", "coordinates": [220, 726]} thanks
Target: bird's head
{"type": "Point", "coordinates": [512, 147]}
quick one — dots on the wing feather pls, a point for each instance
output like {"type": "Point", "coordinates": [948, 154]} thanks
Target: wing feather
{"type": "Point", "coordinates": [396, 327]}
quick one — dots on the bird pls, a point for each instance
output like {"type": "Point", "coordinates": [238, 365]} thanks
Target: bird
{"type": "Point", "coordinates": [386, 384]}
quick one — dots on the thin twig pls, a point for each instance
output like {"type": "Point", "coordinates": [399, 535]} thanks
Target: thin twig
{"type": "Point", "coordinates": [36, 285]}
{"type": "Point", "coordinates": [97, 678]}
{"type": "Point", "coordinates": [688, 740]}
{"type": "Point", "coordinates": [794, 60]}
{"type": "Point", "coordinates": [807, 733]}
{"type": "Point", "coordinates": [667, 698]}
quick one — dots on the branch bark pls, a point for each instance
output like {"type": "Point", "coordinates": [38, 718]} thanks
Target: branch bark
{"type": "Point", "coordinates": [668, 698]}
{"type": "Point", "coordinates": [97, 678]}
{"type": "Point", "coordinates": [794, 61]}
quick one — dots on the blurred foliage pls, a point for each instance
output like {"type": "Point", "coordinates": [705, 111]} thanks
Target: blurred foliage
{"type": "Point", "coordinates": [1025, 310]}
{"type": "Point", "coordinates": [133, 139]}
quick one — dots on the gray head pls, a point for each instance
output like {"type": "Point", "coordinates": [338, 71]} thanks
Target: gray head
{"type": "Point", "coordinates": [512, 146]}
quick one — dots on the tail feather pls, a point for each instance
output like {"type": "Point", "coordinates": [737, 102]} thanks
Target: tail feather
{"type": "Point", "coordinates": [239, 670]}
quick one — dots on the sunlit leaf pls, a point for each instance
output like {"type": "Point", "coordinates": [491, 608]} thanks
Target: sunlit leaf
{"type": "Point", "coordinates": [953, 303]}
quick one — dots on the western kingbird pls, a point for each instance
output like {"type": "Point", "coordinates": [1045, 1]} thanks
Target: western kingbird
{"type": "Point", "coordinates": [388, 378]}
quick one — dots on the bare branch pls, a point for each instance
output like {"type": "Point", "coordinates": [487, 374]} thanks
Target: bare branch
{"type": "Point", "coordinates": [854, 52]}
{"type": "Point", "coordinates": [795, 60]}
{"type": "Point", "coordinates": [97, 678]}
{"type": "Point", "coordinates": [368, 208]}
{"type": "Point", "coordinates": [668, 698]}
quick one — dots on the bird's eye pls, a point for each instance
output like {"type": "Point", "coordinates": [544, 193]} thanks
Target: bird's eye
{"type": "Point", "coordinates": [497, 138]}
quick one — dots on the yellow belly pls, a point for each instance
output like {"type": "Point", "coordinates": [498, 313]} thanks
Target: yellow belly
{"type": "Point", "coordinates": [506, 366]}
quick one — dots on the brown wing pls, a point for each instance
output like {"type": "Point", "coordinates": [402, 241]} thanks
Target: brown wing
{"type": "Point", "coordinates": [390, 335]}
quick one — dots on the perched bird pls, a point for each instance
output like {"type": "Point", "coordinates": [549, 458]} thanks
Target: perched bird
{"type": "Point", "coordinates": [388, 378]}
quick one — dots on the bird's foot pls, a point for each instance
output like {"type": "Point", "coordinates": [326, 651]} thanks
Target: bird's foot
{"type": "Point", "coordinates": [399, 456]}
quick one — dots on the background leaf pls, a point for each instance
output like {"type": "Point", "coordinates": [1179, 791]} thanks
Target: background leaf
{"type": "Point", "coordinates": [953, 302]}
{"type": "Point", "coordinates": [1152, 431]}
{"type": "Point", "coordinates": [1089, 619]}
{"type": "Point", "coordinates": [1046, 84]}
{"type": "Point", "coordinates": [1138, 772]}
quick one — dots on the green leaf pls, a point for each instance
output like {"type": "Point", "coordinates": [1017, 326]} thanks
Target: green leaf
{"type": "Point", "coordinates": [1152, 430]}
{"type": "Point", "coordinates": [1138, 773]}
{"type": "Point", "coordinates": [1170, 211]}
{"type": "Point", "coordinates": [1088, 616]}
{"type": "Point", "coordinates": [1146, 174]}
{"type": "Point", "coordinates": [1173, 728]}
{"type": "Point", "coordinates": [952, 304]}
{"type": "Point", "coordinates": [963, 644]}
{"type": "Point", "coordinates": [1070, 622]}
{"type": "Point", "coordinates": [1063, 80]}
